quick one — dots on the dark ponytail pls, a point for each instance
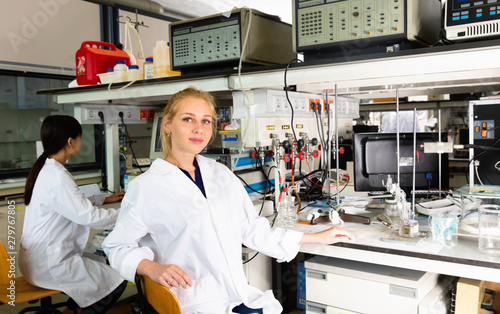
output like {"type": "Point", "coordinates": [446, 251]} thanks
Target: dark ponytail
{"type": "Point", "coordinates": [55, 132]}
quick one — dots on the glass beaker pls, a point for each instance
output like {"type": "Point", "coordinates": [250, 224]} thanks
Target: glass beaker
{"type": "Point", "coordinates": [444, 228]}
{"type": "Point", "coordinates": [489, 229]}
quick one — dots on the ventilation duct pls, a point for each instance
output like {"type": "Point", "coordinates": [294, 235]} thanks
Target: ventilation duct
{"type": "Point", "coordinates": [144, 5]}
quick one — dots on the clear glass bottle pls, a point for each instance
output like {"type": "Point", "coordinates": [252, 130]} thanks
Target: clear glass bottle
{"type": "Point", "coordinates": [287, 215]}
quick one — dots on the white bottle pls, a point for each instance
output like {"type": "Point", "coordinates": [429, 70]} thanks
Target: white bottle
{"type": "Point", "coordinates": [133, 73]}
{"type": "Point", "coordinates": [121, 66]}
{"type": "Point", "coordinates": [149, 69]}
{"type": "Point", "coordinates": [161, 59]}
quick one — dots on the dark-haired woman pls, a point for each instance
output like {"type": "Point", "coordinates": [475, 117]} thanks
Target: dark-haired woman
{"type": "Point", "coordinates": [57, 224]}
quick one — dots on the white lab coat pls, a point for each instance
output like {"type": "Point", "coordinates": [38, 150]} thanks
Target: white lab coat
{"type": "Point", "coordinates": [174, 223]}
{"type": "Point", "coordinates": [56, 229]}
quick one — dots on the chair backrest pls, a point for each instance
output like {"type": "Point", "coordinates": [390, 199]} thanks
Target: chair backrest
{"type": "Point", "coordinates": [6, 274]}
{"type": "Point", "coordinates": [160, 297]}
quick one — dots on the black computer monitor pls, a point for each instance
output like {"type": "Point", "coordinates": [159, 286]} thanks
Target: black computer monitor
{"type": "Point", "coordinates": [375, 158]}
{"type": "Point", "coordinates": [156, 149]}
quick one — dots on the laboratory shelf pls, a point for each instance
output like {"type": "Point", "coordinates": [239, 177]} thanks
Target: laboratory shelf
{"type": "Point", "coordinates": [459, 68]}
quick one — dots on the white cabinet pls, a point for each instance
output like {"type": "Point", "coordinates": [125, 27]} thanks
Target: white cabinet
{"type": "Point", "coordinates": [342, 286]}
{"type": "Point", "coordinates": [259, 270]}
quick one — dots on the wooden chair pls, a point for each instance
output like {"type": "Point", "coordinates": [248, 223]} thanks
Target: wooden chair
{"type": "Point", "coordinates": [160, 298]}
{"type": "Point", "coordinates": [24, 291]}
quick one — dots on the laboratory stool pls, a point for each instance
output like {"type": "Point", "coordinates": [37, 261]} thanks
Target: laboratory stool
{"type": "Point", "coordinates": [23, 291]}
{"type": "Point", "coordinates": [152, 295]}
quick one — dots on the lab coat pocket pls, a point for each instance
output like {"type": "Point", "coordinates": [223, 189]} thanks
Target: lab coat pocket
{"type": "Point", "coordinates": [203, 290]}
{"type": "Point", "coordinates": [59, 256]}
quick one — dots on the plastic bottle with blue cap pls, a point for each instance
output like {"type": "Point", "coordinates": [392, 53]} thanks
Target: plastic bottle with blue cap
{"type": "Point", "coordinates": [121, 66]}
{"type": "Point", "coordinates": [133, 73]}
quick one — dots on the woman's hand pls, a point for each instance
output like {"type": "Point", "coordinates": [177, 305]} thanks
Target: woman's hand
{"type": "Point", "coordinates": [329, 236]}
{"type": "Point", "coordinates": [115, 197]}
{"type": "Point", "coordinates": [167, 275]}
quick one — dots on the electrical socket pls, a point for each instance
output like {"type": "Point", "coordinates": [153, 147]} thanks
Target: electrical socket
{"type": "Point", "coordinates": [127, 114]}
{"type": "Point", "coordinates": [91, 115]}
{"type": "Point", "coordinates": [133, 114]}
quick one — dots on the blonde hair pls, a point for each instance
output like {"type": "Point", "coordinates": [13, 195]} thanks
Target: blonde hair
{"type": "Point", "coordinates": [173, 107]}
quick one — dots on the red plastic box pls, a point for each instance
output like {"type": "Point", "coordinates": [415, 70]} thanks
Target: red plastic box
{"type": "Point", "coordinates": [92, 59]}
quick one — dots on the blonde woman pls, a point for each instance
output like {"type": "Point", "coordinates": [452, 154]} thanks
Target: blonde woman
{"type": "Point", "coordinates": [184, 221]}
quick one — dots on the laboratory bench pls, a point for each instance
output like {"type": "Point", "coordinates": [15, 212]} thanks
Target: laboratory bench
{"type": "Point", "coordinates": [462, 260]}
{"type": "Point", "coordinates": [425, 258]}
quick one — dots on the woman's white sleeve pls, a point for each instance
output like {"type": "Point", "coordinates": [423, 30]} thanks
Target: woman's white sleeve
{"type": "Point", "coordinates": [122, 244]}
{"type": "Point", "coordinates": [79, 208]}
{"type": "Point", "coordinates": [97, 200]}
{"type": "Point", "coordinates": [257, 233]}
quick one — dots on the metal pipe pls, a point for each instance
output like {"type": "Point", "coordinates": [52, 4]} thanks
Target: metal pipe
{"type": "Point", "coordinates": [414, 160]}
{"type": "Point", "coordinates": [439, 152]}
{"type": "Point", "coordinates": [329, 150]}
{"type": "Point", "coordinates": [144, 5]}
{"type": "Point", "coordinates": [397, 133]}
{"type": "Point", "coordinates": [337, 145]}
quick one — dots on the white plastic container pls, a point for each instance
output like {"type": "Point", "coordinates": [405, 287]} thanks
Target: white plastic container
{"type": "Point", "coordinates": [133, 73]}
{"type": "Point", "coordinates": [161, 59]}
{"type": "Point", "coordinates": [149, 69]}
{"type": "Point", "coordinates": [109, 77]}
{"type": "Point", "coordinates": [121, 66]}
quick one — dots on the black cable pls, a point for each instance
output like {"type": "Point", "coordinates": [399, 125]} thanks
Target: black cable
{"type": "Point", "coordinates": [485, 148]}
{"type": "Point", "coordinates": [287, 98]}
{"type": "Point", "coordinates": [319, 126]}
{"type": "Point", "coordinates": [291, 108]}
{"type": "Point", "coordinates": [261, 208]}
{"type": "Point", "coordinates": [127, 137]}
{"type": "Point", "coordinates": [260, 166]}
{"type": "Point", "coordinates": [248, 260]}
{"type": "Point", "coordinates": [246, 184]}
{"type": "Point", "coordinates": [104, 178]}
{"type": "Point", "coordinates": [478, 155]}
{"type": "Point", "coordinates": [321, 130]}
{"type": "Point", "coordinates": [302, 177]}
{"type": "Point", "coordinates": [345, 185]}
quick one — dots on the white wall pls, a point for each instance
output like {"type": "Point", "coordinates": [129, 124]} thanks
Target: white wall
{"type": "Point", "coordinates": [281, 8]}
{"type": "Point", "coordinates": [44, 35]}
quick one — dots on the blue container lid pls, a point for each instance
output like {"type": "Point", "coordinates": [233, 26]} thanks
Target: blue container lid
{"type": "Point", "coordinates": [133, 67]}
{"type": "Point", "coordinates": [121, 62]}
{"type": "Point", "coordinates": [149, 59]}
{"type": "Point", "coordinates": [110, 70]}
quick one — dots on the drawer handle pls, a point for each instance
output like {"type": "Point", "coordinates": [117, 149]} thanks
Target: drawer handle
{"type": "Point", "coordinates": [316, 308]}
{"type": "Point", "coordinates": [316, 274]}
